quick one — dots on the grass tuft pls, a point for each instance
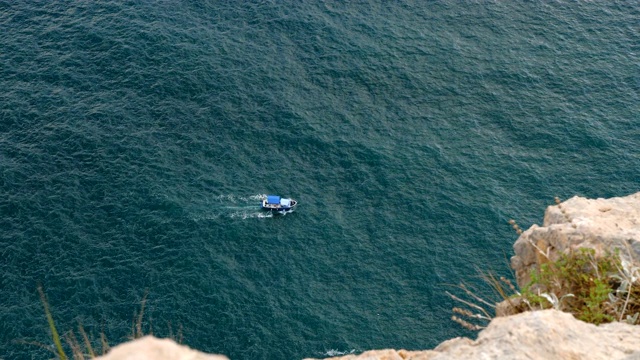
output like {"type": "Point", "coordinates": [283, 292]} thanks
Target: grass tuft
{"type": "Point", "coordinates": [594, 288]}
{"type": "Point", "coordinates": [137, 326]}
{"type": "Point", "coordinates": [54, 332]}
{"type": "Point", "coordinates": [80, 351]}
{"type": "Point", "coordinates": [87, 343]}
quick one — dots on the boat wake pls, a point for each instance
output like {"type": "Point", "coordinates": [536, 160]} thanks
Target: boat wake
{"type": "Point", "coordinates": [232, 206]}
{"type": "Point", "coordinates": [334, 352]}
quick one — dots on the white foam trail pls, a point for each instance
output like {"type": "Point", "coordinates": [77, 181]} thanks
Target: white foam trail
{"type": "Point", "coordinates": [249, 215]}
{"type": "Point", "coordinates": [239, 198]}
{"type": "Point", "coordinates": [232, 206]}
{"type": "Point", "coordinates": [258, 197]}
{"type": "Point", "coordinates": [334, 352]}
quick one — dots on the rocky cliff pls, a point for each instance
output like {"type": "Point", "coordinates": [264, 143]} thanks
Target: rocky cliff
{"type": "Point", "coordinates": [151, 348]}
{"type": "Point", "coordinates": [605, 225]}
{"type": "Point", "coordinates": [544, 335]}
{"type": "Point", "coordinates": [600, 224]}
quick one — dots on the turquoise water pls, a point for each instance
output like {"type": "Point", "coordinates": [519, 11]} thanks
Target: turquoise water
{"type": "Point", "coordinates": [136, 139]}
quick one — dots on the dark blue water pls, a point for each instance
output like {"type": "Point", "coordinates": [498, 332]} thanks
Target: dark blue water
{"type": "Point", "coordinates": [137, 137]}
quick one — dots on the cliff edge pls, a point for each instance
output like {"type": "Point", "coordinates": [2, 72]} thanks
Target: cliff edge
{"type": "Point", "coordinates": [605, 225]}
{"type": "Point", "coordinates": [544, 335]}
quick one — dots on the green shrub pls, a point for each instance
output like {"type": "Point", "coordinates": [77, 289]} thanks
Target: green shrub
{"type": "Point", "coordinates": [578, 282]}
{"type": "Point", "coordinates": [595, 289]}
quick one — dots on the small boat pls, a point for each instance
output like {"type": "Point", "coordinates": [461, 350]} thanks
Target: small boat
{"type": "Point", "coordinates": [277, 203]}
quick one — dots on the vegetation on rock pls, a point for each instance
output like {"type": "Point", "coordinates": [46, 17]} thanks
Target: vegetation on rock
{"type": "Point", "coordinates": [595, 288]}
{"type": "Point", "coordinates": [81, 352]}
{"type": "Point", "coordinates": [589, 287]}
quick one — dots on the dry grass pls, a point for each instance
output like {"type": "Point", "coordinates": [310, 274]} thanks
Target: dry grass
{"type": "Point", "coordinates": [595, 289]}
{"type": "Point", "coordinates": [477, 311]}
{"type": "Point", "coordinates": [81, 350]}
{"type": "Point", "coordinates": [52, 326]}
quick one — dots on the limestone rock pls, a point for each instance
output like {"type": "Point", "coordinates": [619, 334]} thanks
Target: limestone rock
{"type": "Point", "coordinates": [151, 348]}
{"type": "Point", "coordinates": [600, 224]}
{"type": "Point", "coordinates": [546, 334]}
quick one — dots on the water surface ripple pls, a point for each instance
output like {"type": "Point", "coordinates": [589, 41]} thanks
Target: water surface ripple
{"type": "Point", "coordinates": [137, 137]}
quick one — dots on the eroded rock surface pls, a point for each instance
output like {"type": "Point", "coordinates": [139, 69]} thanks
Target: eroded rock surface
{"type": "Point", "coordinates": [605, 225]}
{"type": "Point", "coordinates": [151, 348]}
{"type": "Point", "coordinates": [600, 224]}
{"type": "Point", "coordinates": [543, 335]}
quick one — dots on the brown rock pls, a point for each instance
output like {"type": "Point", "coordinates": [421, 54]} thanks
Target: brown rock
{"type": "Point", "coordinates": [600, 224]}
{"type": "Point", "coordinates": [151, 348]}
{"type": "Point", "coordinates": [536, 335]}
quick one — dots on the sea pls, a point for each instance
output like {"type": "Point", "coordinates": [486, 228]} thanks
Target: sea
{"type": "Point", "coordinates": [137, 139]}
